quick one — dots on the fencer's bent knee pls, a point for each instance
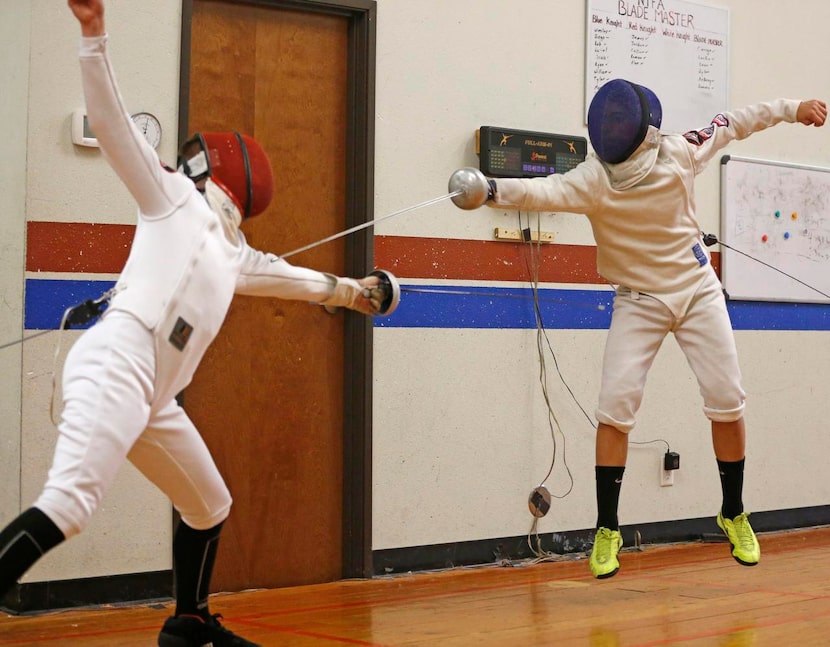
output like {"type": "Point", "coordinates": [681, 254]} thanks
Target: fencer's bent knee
{"type": "Point", "coordinates": [69, 510]}
{"type": "Point", "coordinates": [623, 426]}
{"type": "Point", "coordinates": [212, 513]}
{"type": "Point", "coordinates": [724, 415]}
{"type": "Point", "coordinates": [725, 403]}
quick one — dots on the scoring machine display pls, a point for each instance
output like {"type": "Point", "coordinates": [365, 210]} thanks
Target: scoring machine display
{"type": "Point", "coordinates": [506, 152]}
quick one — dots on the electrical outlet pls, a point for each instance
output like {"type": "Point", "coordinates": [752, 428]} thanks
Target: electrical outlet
{"type": "Point", "coordinates": [666, 477]}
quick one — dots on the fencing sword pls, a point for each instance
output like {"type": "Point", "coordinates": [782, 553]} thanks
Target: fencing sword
{"type": "Point", "coordinates": [468, 189]}
{"type": "Point", "coordinates": [388, 291]}
{"type": "Point", "coordinates": [24, 339]}
{"type": "Point", "coordinates": [84, 312]}
{"type": "Point", "coordinates": [370, 223]}
{"type": "Point", "coordinates": [465, 186]}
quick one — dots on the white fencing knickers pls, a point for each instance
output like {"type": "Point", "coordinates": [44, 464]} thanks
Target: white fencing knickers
{"type": "Point", "coordinates": [109, 416]}
{"type": "Point", "coordinates": [639, 325]}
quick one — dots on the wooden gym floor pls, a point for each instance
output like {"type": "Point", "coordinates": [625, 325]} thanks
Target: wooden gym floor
{"type": "Point", "coordinates": [693, 595]}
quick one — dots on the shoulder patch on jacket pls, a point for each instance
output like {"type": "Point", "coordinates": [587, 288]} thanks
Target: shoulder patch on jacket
{"type": "Point", "coordinates": [697, 137]}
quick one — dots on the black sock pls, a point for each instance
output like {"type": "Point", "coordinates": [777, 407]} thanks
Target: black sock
{"type": "Point", "coordinates": [194, 553]}
{"type": "Point", "coordinates": [24, 541]}
{"type": "Point", "coordinates": [609, 482]}
{"type": "Point", "coordinates": [732, 484]}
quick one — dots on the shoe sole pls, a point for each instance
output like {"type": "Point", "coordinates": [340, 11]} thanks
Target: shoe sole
{"type": "Point", "coordinates": [605, 576]}
{"type": "Point", "coordinates": [732, 547]}
{"type": "Point", "coordinates": [166, 640]}
{"type": "Point", "coordinates": [742, 562]}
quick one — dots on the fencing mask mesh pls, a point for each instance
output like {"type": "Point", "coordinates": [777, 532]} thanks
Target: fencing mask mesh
{"type": "Point", "coordinates": [237, 163]}
{"type": "Point", "coordinates": [618, 119]}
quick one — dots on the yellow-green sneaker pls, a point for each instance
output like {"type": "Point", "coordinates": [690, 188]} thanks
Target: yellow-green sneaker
{"type": "Point", "coordinates": [607, 544]}
{"type": "Point", "coordinates": [745, 548]}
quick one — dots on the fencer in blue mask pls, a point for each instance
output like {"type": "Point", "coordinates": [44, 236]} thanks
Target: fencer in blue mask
{"type": "Point", "coordinates": [637, 191]}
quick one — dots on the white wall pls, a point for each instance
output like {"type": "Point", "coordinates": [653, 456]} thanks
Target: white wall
{"type": "Point", "coordinates": [47, 178]}
{"type": "Point", "coordinates": [460, 427]}
{"type": "Point", "coordinates": [14, 54]}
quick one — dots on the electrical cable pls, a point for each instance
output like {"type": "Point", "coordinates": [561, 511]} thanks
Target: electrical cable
{"type": "Point", "coordinates": [532, 257]}
{"type": "Point", "coordinates": [533, 265]}
{"type": "Point", "coordinates": [25, 339]}
{"type": "Point", "coordinates": [712, 239]}
{"type": "Point", "coordinates": [590, 420]}
{"type": "Point", "coordinates": [650, 442]}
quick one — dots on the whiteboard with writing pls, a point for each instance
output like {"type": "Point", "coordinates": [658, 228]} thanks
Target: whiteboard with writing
{"type": "Point", "coordinates": [678, 49]}
{"type": "Point", "coordinates": [775, 219]}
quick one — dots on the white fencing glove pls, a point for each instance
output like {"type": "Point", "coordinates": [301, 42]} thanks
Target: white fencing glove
{"type": "Point", "coordinates": [376, 294]}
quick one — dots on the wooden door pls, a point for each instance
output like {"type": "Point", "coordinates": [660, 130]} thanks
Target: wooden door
{"type": "Point", "coordinates": [269, 396]}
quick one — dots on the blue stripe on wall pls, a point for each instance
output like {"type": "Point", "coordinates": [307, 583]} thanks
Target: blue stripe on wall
{"type": "Point", "coordinates": [441, 306]}
{"type": "Point", "coordinates": [446, 307]}
{"type": "Point", "coordinates": [425, 306]}
{"type": "Point", "coordinates": [763, 315]}
{"type": "Point", "coordinates": [48, 299]}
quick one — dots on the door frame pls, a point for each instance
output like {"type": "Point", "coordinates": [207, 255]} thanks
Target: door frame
{"type": "Point", "coordinates": [359, 253]}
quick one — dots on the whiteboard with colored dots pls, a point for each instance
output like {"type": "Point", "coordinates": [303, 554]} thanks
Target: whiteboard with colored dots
{"type": "Point", "coordinates": [775, 231]}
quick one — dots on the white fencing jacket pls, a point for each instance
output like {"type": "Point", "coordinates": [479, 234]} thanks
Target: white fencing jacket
{"type": "Point", "coordinates": [185, 263]}
{"type": "Point", "coordinates": [642, 210]}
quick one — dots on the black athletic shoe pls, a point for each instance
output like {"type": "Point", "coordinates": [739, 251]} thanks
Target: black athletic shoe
{"type": "Point", "coordinates": [193, 631]}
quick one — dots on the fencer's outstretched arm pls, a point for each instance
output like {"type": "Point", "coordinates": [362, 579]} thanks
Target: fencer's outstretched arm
{"type": "Point", "coordinates": [266, 275]}
{"type": "Point", "coordinates": [577, 190]}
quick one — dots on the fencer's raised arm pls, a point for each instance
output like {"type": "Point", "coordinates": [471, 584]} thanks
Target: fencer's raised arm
{"type": "Point", "coordinates": [136, 163]}
{"type": "Point", "coordinates": [90, 14]}
{"type": "Point", "coordinates": [812, 112]}
{"type": "Point", "coordinates": [743, 122]}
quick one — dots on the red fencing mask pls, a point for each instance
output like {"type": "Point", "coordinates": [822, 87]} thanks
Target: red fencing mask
{"type": "Point", "coordinates": [237, 163]}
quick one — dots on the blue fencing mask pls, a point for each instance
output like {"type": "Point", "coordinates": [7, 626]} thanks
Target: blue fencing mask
{"type": "Point", "coordinates": [618, 119]}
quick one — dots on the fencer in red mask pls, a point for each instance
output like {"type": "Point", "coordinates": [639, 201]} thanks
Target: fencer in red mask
{"type": "Point", "coordinates": [187, 260]}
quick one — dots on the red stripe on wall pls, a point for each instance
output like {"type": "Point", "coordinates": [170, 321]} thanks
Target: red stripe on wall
{"type": "Point", "coordinates": [103, 249]}
{"type": "Point", "coordinates": [77, 247]}
{"type": "Point", "coordinates": [485, 260]}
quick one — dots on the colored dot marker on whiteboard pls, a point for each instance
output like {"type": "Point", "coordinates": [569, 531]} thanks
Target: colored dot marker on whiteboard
{"type": "Point", "coordinates": [786, 234]}
{"type": "Point", "coordinates": [794, 215]}
{"type": "Point", "coordinates": [764, 238]}
{"type": "Point", "coordinates": [777, 214]}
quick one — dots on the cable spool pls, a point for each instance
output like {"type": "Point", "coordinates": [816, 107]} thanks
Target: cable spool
{"type": "Point", "coordinates": [539, 501]}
